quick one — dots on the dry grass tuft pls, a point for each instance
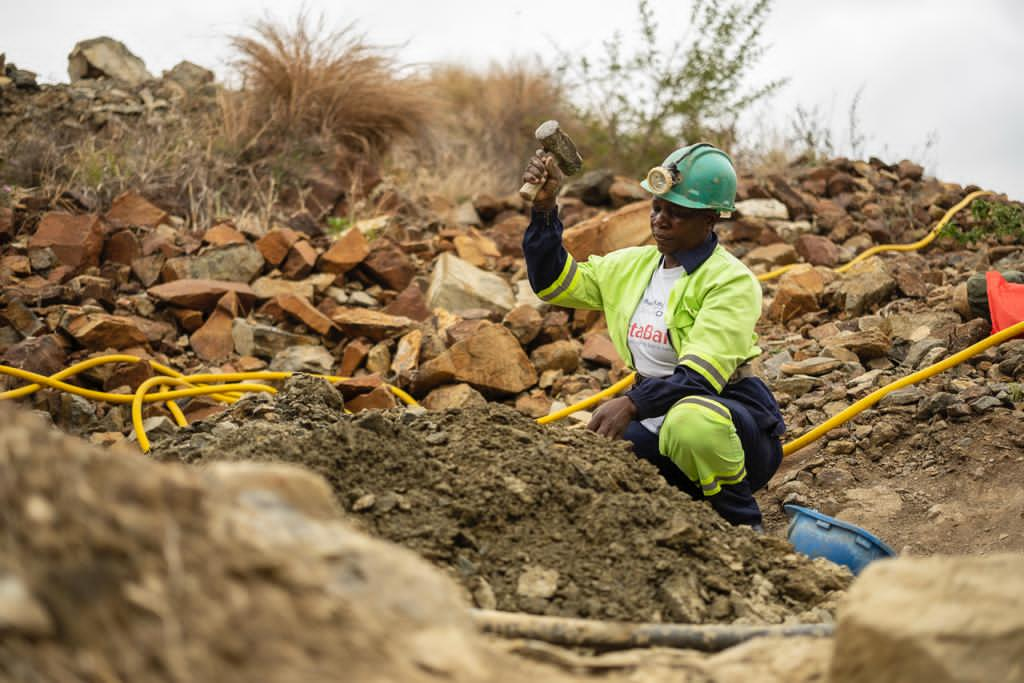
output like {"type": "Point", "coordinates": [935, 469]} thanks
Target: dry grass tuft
{"type": "Point", "coordinates": [483, 133]}
{"type": "Point", "coordinates": [307, 83]}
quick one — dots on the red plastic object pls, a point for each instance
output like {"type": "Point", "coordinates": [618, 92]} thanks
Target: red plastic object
{"type": "Point", "coordinates": [1005, 301]}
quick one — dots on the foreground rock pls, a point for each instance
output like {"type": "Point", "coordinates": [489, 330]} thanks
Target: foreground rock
{"type": "Point", "coordinates": [251, 564]}
{"type": "Point", "coordinates": [938, 619]}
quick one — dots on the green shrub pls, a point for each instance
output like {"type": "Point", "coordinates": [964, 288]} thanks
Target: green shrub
{"type": "Point", "coordinates": [638, 104]}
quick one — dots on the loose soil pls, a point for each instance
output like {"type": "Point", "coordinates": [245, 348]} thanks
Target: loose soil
{"type": "Point", "coordinates": [945, 487]}
{"type": "Point", "coordinates": [541, 519]}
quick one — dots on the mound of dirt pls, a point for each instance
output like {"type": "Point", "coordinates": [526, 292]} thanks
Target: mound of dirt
{"type": "Point", "coordinates": [532, 518]}
{"type": "Point", "coordinates": [114, 568]}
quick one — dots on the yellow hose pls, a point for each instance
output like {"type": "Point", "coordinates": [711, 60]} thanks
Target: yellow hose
{"type": "Point", "coordinates": [169, 376]}
{"type": "Point", "coordinates": [877, 395]}
{"type": "Point", "coordinates": [141, 396]}
{"type": "Point", "coordinates": [586, 403]}
{"type": "Point", "coordinates": [914, 246]}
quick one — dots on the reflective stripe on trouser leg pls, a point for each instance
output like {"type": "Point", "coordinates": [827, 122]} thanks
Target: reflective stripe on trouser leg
{"type": "Point", "coordinates": [700, 438]}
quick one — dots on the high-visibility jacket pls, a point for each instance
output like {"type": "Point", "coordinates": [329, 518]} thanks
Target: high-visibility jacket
{"type": "Point", "coordinates": [710, 313]}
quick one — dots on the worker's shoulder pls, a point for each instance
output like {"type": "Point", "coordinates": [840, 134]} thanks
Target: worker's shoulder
{"type": "Point", "coordinates": [726, 266]}
{"type": "Point", "coordinates": [626, 257]}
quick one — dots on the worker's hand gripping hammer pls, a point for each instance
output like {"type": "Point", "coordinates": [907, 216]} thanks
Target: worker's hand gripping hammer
{"type": "Point", "coordinates": [554, 141]}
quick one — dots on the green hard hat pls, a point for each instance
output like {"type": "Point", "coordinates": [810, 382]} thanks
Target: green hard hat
{"type": "Point", "coordinates": [702, 177]}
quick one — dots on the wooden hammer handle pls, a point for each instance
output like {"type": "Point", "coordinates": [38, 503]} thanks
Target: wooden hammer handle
{"type": "Point", "coordinates": [529, 190]}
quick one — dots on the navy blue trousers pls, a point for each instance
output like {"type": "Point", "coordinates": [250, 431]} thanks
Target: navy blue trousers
{"type": "Point", "coordinates": [762, 451]}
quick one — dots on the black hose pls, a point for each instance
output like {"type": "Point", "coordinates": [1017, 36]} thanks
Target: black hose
{"type": "Point", "coordinates": [613, 635]}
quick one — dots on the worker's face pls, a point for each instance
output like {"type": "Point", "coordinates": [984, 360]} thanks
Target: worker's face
{"type": "Point", "coordinates": [677, 228]}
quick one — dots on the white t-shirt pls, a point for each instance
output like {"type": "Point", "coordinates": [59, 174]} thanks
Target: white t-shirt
{"type": "Point", "coordinates": [647, 336]}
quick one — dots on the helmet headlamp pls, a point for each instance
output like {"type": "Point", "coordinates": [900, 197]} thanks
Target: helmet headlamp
{"type": "Point", "coordinates": [662, 178]}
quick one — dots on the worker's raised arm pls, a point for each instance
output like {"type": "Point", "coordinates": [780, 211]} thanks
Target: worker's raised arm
{"type": "Point", "coordinates": [555, 276]}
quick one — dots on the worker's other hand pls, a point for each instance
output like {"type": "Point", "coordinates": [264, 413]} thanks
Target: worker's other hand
{"type": "Point", "coordinates": [543, 170]}
{"type": "Point", "coordinates": [612, 418]}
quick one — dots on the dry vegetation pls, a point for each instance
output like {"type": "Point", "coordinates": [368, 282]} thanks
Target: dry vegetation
{"type": "Point", "coordinates": [312, 106]}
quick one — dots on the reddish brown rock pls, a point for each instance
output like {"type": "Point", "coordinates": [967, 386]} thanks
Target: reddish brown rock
{"type": "Point", "coordinates": [276, 244]}
{"type": "Point", "coordinates": [535, 404]}
{"type": "Point", "coordinates": [411, 303]}
{"type": "Point", "coordinates": [463, 329]}
{"type": "Point", "coordinates": [76, 241]}
{"type": "Point", "coordinates": [201, 295]}
{"type": "Point", "coordinates": [164, 240]}
{"type": "Point", "coordinates": [15, 264]}
{"type": "Point", "coordinates": [213, 342]}
{"type": "Point", "coordinates": [598, 349]}
{"type": "Point", "coordinates": [524, 322]}
{"type": "Point", "coordinates": [129, 375]}
{"type": "Point", "coordinates": [223, 234]}
{"type": "Point", "coordinates": [380, 398]}
{"type": "Point", "coordinates": [839, 184]}
{"type": "Point", "coordinates": [347, 252]}
{"type": "Point", "coordinates": [780, 189]}
{"type": "Point", "coordinates": [560, 355]}
{"type": "Point", "coordinates": [491, 360]}
{"type": "Point", "coordinates": [772, 255]}
{"type": "Point", "coordinates": [362, 322]}
{"type": "Point", "coordinates": [44, 355]}
{"type": "Point", "coordinates": [357, 386]}
{"type": "Point", "coordinates": [21, 318]}
{"type": "Point", "coordinates": [188, 319]}
{"type": "Point", "coordinates": [300, 309]}
{"type": "Point", "coordinates": [555, 326]}
{"type": "Point", "coordinates": [406, 360]}
{"type": "Point", "coordinates": [508, 235]}
{"type": "Point", "coordinates": [148, 268]}
{"type": "Point", "coordinates": [453, 396]}
{"type": "Point", "coordinates": [300, 261]}
{"type": "Point", "coordinates": [867, 344]}
{"type": "Point", "coordinates": [6, 223]}
{"type": "Point", "coordinates": [177, 268]}
{"type": "Point", "coordinates": [476, 248]}
{"type": "Point", "coordinates": [629, 226]}
{"type": "Point", "coordinates": [817, 250]}
{"type": "Point", "coordinates": [102, 331]}
{"type": "Point", "coordinates": [909, 170]}
{"type": "Point", "coordinates": [353, 356]}
{"type": "Point", "coordinates": [90, 287]}
{"type": "Point", "coordinates": [122, 247]}
{"type": "Point", "coordinates": [130, 208]}
{"type": "Point", "coordinates": [799, 292]}
{"type": "Point", "coordinates": [389, 264]}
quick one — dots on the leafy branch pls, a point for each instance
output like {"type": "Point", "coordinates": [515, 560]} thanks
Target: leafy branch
{"type": "Point", "coordinates": [990, 219]}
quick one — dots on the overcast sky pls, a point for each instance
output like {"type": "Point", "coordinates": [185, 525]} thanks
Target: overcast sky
{"type": "Point", "coordinates": [926, 69]}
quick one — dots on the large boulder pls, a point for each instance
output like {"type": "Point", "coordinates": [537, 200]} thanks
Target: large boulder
{"type": "Point", "coordinates": [867, 284]}
{"type": "Point", "coordinates": [106, 58]}
{"type": "Point", "coordinates": [490, 360]}
{"type": "Point", "coordinates": [118, 567]}
{"type": "Point", "coordinates": [629, 226]}
{"type": "Point", "coordinates": [76, 241]}
{"type": "Point", "coordinates": [457, 286]}
{"type": "Point", "coordinates": [936, 619]}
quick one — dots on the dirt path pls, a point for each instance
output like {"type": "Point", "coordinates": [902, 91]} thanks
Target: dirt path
{"type": "Point", "coordinates": [940, 488]}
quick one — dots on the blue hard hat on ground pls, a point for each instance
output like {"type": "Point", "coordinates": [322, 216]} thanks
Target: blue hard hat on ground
{"type": "Point", "coordinates": [817, 535]}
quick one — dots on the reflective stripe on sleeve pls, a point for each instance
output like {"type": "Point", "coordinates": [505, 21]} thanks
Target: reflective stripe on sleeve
{"type": "Point", "coordinates": [562, 283]}
{"type": "Point", "coordinates": [706, 368]}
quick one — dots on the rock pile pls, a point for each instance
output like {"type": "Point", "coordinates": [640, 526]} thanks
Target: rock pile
{"type": "Point", "coordinates": [526, 517]}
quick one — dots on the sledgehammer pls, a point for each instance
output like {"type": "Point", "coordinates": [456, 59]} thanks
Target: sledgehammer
{"type": "Point", "coordinates": [554, 141]}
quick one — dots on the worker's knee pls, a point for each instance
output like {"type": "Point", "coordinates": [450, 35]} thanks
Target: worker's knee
{"type": "Point", "coordinates": [699, 437]}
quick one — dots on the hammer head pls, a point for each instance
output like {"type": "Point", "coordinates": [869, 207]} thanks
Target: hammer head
{"type": "Point", "coordinates": [554, 140]}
